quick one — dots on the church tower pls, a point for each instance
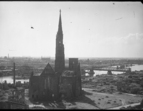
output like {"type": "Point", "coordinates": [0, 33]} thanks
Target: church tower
{"type": "Point", "coordinates": [60, 56]}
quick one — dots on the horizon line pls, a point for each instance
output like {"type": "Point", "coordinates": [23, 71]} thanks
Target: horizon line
{"type": "Point", "coordinates": [68, 57]}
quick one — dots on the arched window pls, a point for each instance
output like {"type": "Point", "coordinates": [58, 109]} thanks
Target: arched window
{"type": "Point", "coordinates": [43, 92]}
{"type": "Point", "coordinates": [45, 84]}
{"type": "Point", "coordinates": [32, 96]}
{"type": "Point", "coordinates": [37, 97]}
{"type": "Point", "coordinates": [49, 83]}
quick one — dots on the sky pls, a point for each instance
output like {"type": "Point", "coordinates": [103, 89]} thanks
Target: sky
{"type": "Point", "coordinates": [90, 29]}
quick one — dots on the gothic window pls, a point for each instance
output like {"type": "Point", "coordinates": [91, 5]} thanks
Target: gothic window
{"type": "Point", "coordinates": [45, 84]}
{"type": "Point", "coordinates": [36, 96]}
{"type": "Point", "coordinates": [48, 82]}
{"type": "Point", "coordinates": [32, 96]}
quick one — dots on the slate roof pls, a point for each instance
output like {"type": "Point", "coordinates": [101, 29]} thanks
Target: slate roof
{"type": "Point", "coordinates": [48, 71]}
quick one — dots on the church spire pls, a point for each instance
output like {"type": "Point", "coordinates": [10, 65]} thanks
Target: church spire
{"type": "Point", "coordinates": [60, 56]}
{"type": "Point", "coordinates": [60, 24]}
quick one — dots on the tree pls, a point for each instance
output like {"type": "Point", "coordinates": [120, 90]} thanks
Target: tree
{"type": "Point", "coordinates": [141, 84]}
{"type": "Point", "coordinates": [135, 88]}
{"type": "Point", "coordinates": [120, 86]}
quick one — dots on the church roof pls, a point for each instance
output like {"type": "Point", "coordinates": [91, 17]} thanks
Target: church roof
{"type": "Point", "coordinates": [48, 70]}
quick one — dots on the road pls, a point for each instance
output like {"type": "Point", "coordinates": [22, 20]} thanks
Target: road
{"type": "Point", "coordinates": [134, 104]}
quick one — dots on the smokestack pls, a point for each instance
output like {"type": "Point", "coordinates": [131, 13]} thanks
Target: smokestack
{"type": "Point", "coordinates": [14, 74]}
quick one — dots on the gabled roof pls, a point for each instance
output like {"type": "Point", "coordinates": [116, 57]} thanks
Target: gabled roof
{"type": "Point", "coordinates": [48, 70]}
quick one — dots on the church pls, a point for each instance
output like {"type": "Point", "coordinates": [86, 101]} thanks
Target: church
{"type": "Point", "coordinates": [60, 81]}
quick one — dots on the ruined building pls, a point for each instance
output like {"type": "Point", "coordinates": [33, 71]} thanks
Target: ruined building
{"type": "Point", "coordinates": [70, 81]}
{"type": "Point", "coordinates": [52, 83]}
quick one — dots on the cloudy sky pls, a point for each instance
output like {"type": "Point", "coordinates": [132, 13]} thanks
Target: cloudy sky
{"type": "Point", "coordinates": [91, 29]}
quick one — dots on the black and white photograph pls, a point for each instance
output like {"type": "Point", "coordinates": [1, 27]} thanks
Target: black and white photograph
{"type": "Point", "coordinates": [71, 55]}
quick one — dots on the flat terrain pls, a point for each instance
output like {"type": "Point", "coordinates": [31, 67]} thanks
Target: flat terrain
{"type": "Point", "coordinates": [112, 100]}
{"type": "Point", "coordinates": [92, 100]}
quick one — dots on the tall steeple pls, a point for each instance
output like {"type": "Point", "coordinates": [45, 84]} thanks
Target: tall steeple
{"type": "Point", "coordinates": [60, 56]}
{"type": "Point", "coordinates": [60, 24]}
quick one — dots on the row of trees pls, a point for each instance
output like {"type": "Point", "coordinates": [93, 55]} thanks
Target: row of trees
{"type": "Point", "coordinates": [128, 86]}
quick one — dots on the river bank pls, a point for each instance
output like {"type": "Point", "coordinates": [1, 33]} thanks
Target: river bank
{"type": "Point", "coordinates": [22, 77]}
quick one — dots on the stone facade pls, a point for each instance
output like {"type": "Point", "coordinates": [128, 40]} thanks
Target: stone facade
{"type": "Point", "coordinates": [43, 87]}
{"type": "Point", "coordinates": [73, 63]}
{"type": "Point", "coordinates": [51, 84]}
{"type": "Point", "coordinates": [60, 56]}
{"type": "Point", "coordinates": [70, 84]}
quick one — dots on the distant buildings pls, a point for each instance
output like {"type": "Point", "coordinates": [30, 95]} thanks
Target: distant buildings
{"type": "Point", "coordinates": [52, 84]}
{"type": "Point", "coordinates": [12, 99]}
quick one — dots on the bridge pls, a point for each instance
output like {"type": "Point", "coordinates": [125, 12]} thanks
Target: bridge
{"type": "Point", "coordinates": [112, 69]}
{"type": "Point", "coordinates": [109, 70]}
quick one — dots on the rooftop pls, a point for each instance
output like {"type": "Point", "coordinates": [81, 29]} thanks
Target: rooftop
{"type": "Point", "coordinates": [68, 73]}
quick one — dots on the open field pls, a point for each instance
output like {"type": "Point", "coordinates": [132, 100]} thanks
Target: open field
{"type": "Point", "coordinates": [93, 100]}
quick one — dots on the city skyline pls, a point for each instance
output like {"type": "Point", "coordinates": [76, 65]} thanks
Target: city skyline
{"type": "Point", "coordinates": [90, 29]}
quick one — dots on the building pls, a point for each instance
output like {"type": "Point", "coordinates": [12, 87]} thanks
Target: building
{"type": "Point", "coordinates": [70, 81]}
{"type": "Point", "coordinates": [13, 99]}
{"type": "Point", "coordinates": [51, 84]}
{"type": "Point", "coordinates": [60, 56]}
{"type": "Point", "coordinates": [7, 104]}
{"type": "Point", "coordinates": [43, 86]}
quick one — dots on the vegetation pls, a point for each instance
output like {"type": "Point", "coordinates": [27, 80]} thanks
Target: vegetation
{"type": "Point", "coordinates": [123, 83]}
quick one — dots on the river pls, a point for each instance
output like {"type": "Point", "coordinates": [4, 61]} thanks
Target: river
{"type": "Point", "coordinates": [104, 72]}
{"type": "Point", "coordinates": [9, 79]}
{"type": "Point", "coordinates": [136, 67]}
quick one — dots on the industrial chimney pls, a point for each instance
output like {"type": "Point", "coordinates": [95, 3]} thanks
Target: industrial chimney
{"type": "Point", "coordinates": [14, 74]}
